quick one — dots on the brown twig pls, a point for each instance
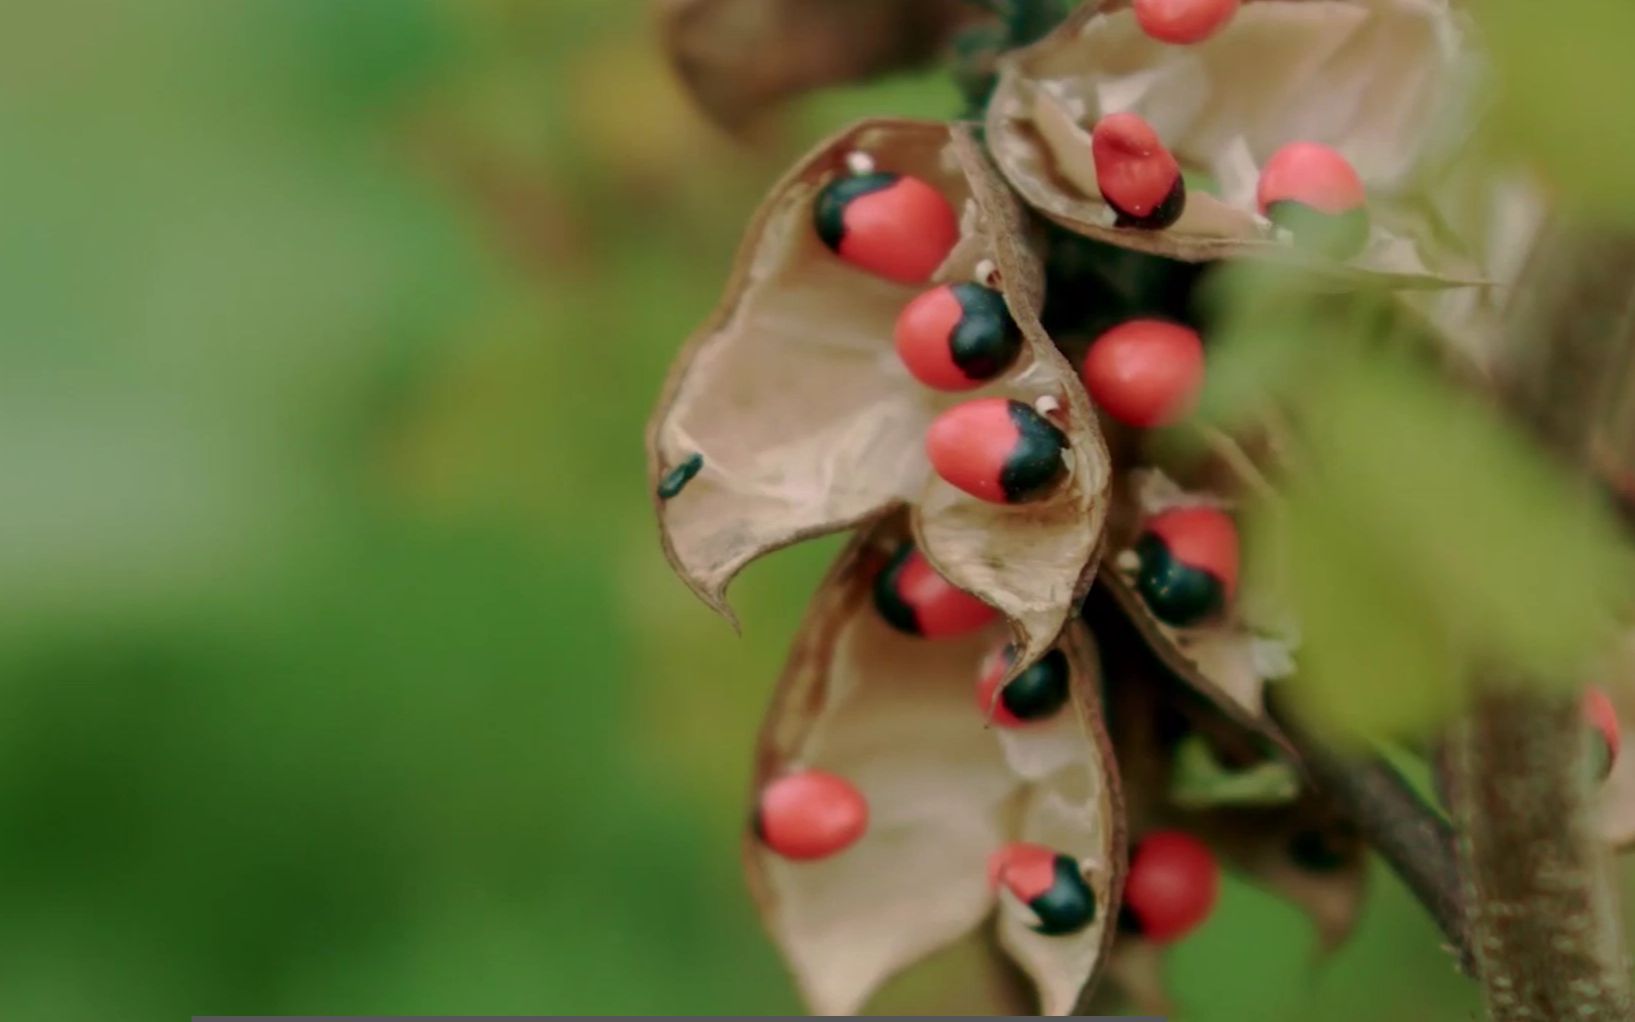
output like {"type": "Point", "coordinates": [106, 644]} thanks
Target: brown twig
{"type": "Point", "coordinates": [1543, 910]}
{"type": "Point", "coordinates": [1411, 836]}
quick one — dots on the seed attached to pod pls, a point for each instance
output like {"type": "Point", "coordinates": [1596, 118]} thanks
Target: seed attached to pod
{"type": "Point", "coordinates": [810, 815]}
{"type": "Point", "coordinates": [1188, 564]}
{"type": "Point", "coordinates": [1171, 887]}
{"type": "Point", "coordinates": [1137, 176]}
{"type": "Point", "coordinates": [997, 449]}
{"type": "Point", "coordinates": [1035, 694]}
{"type": "Point", "coordinates": [892, 225]}
{"type": "Point", "coordinates": [1315, 194]}
{"type": "Point", "coordinates": [1146, 372]}
{"type": "Point", "coordinates": [1183, 21]}
{"type": "Point", "coordinates": [957, 337]}
{"type": "Point", "coordinates": [914, 599]}
{"type": "Point", "coordinates": [1046, 881]}
{"type": "Point", "coordinates": [1602, 718]}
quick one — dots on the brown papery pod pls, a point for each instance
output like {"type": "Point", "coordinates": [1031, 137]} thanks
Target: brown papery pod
{"type": "Point", "coordinates": [1382, 81]}
{"type": "Point", "coordinates": [1227, 661]}
{"type": "Point", "coordinates": [897, 717]}
{"type": "Point", "coordinates": [1615, 801]}
{"type": "Point", "coordinates": [1303, 850]}
{"type": "Point", "coordinates": [738, 57]}
{"type": "Point", "coordinates": [797, 418]}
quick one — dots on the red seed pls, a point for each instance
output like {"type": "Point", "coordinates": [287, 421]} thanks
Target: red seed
{"type": "Point", "coordinates": [941, 610]}
{"type": "Point", "coordinates": [1200, 537]}
{"type": "Point", "coordinates": [1172, 885]}
{"type": "Point", "coordinates": [1145, 372]}
{"type": "Point", "coordinates": [1137, 176]}
{"type": "Point", "coordinates": [988, 702]}
{"type": "Point", "coordinates": [996, 449]}
{"type": "Point", "coordinates": [1600, 714]}
{"type": "Point", "coordinates": [922, 333]}
{"type": "Point", "coordinates": [1313, 175]}
{"type": "Point", "coordinates": [1183, 21]}
{"type": "Point", "coordinates": [1026, 870]}
{"type": "Point", "coordinates": [902, 233]}
{"type": "Point", "coordinates": [810, 815]}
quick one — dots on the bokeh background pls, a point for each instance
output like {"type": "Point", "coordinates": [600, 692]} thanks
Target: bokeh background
{"type": "Point", "coordinates": [339, 668]}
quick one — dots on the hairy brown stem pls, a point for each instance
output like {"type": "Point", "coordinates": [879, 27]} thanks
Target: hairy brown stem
{"type": "Point", "coordinates": [1408, 834]}
{"type": "Point", "coordinates": [1543, 909]}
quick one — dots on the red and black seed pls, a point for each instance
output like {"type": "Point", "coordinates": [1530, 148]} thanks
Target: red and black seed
{"type": "Point", "coordinates": [1037, 693]}
{"type": "Point", "coordinates": [1176, 592]}
{"type": "Point", "coordinates": [1049, 883]}
{"type": "Point", "coordinates": [1035, 464]}
{"type": "Point", "coordinates": [829, 213]}
{"type": "Point", "coordinates": [915, 600]}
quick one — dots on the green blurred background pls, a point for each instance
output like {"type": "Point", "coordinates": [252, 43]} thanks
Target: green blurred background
{"type": "Point", "coordinates": [339, 667]}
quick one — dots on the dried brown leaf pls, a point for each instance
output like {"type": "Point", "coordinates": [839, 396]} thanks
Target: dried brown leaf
{"type": "Point", "coordinates": [1380, 80]}
{"type": "Point", "coordinates": [805, 421]}
{"type": "Point", "coordinates": [740, 56]}
{"type": "Point", "coordinates": [897, 716]}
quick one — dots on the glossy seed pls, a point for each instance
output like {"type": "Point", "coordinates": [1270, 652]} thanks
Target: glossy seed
{"type": "Point", "coordinates": [1188, 564]}
{"type": "Point", "coordinates": [892, 225]}
{"type": "Point", "coordinates": [1034, 695]}
{"type": "Point", "coordinates": [1171, 886]}
{"type": "Point", "coordinates": [1602, 718]}
{"type": "Point", "coordinates": [1138, 177]}
{"type": "Point", "coordinates": [1183, 21]}
{"type": "Point", "coordinates": [1314, 193]}
{"type": "Point", "coordinates": [810, 815]}
{"type": "Point", "coordinates": [1145, 372]}
{"type": "Point", "coordinates": [1049, 883]}
{"type": "Point", "coordinates": [957, 336]}
{"type": "Point", "coordinates": [914, 599]}
{"type": "Point", "coordinates": [997, 449]}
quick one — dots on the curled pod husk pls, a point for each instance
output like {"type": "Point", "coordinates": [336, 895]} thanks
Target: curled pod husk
{"type": "Point", "coordinates": [790, 415]}
{"type": "Point", "coordinates": [1229, 659]}
{"type": "Point", "coordinates": [897, 717]}
{"type": "Point", "coordinates": [1302, 849]}
{"type": "Point", "coordinates": [738, 57]}
{"type": "Point", "coordinates": [1381, 81]}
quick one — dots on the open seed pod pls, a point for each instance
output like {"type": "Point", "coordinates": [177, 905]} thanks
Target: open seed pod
{"type": "Point", "coordinates": [896, 716]}
{"type": "Point", "coordinates": [1380, 81]}
{"type": "Point", "coordinates": [740, 56]}
{"type": "Point", "coordinates": [1301, 848]}
{"type": "Point", "coordinates": [1228, 658]}
{"type": "Point", "coordinates": [790, 415]}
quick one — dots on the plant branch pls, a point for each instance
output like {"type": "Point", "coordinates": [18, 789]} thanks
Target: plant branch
{"type": "Point", "coordinates": [1544, 913]}
{"type": "Point", "coordinates": [1411, 836]}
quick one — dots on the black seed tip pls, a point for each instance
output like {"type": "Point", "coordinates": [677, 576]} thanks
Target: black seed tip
{"type": "Point", "coordinates": [1163, 215]}
{"type": "Point", "coordinates": [1036, 463]}
{"type": "Point", "coordinates": [1039, 691]}
{"type": "Point", "coordinates": [1176, 593]}
{"type": "Point", "coordinates": [677, 478]}
{"type": "Point", "coordinates": [1069, 905]}
{"type": "Point", "coordinates": [986, 340]}
{"type": "Point", "coordinates": [888, 599]}
{"type": "Point", "coordinates": [1335, 235]}
{"type": "Point", "coordinates": [829, 212]}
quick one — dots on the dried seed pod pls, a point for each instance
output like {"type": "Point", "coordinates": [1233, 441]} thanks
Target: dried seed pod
{"type": "Point", "coordinates": [1302, 850]}
{"type": "Point", "coordinates": [886, 711]}
{"type": "Point", "coordinates": [1375, 79]}
{"type": "Point", "coordinates": [790, 415]}
{"type": "Point", "coordinates": [739, 57]}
